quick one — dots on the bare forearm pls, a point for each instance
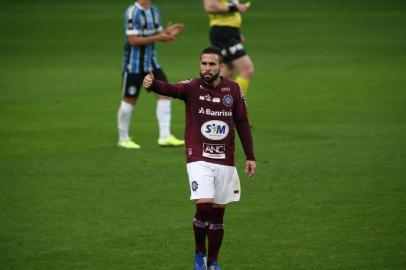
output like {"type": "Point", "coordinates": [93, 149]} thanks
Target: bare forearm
{"type": "Point", "coordinates": [141, 41]}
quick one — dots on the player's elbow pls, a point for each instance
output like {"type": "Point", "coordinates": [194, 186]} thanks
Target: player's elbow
{"type": "Point", "coordinates": [132, 40]}
{"type": "Point", "coordinates": [241, 121]}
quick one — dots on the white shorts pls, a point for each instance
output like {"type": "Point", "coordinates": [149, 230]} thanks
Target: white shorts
{"type": "Point", "coordinates": [216, 181]}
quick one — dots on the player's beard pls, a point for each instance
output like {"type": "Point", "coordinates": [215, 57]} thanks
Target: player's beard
{"type": "Point", "coordinates": [209, 78]}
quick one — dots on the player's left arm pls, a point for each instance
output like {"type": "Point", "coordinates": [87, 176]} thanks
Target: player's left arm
{"type": "Point", "coordinates": [244, 132]}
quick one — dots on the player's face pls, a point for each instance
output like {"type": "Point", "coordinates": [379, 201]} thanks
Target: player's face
{"type": "Point", "coordinates": [145, 3]}
{"type": "Point", "coordinates": [209, 67]}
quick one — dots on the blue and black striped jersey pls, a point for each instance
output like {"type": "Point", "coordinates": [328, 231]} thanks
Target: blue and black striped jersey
{"type": "Point", "coordinates": [141, 22]}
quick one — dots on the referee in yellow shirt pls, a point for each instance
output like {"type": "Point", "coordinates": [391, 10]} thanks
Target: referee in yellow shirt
{"type": "Point", "coordinates": [225, 23]}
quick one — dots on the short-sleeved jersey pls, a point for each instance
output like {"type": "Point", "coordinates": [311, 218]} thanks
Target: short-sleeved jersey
{"type": "Point", "coordinates": [211, 116]}
{"type": "Point", "coordinates": [232, 19]}
{"type": "Point", "coordinates": [144, 23]}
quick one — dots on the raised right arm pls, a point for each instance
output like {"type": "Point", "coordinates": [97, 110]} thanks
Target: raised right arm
{"type": "Point", "coordinates": [163, 88]}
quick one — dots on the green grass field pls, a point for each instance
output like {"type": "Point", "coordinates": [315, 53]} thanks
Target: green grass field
{"type": "Point", "coordinates": [328, 107]}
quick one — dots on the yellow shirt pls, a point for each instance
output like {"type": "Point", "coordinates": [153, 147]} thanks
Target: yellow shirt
{"type": "Point", "coordinates": [226, 19]}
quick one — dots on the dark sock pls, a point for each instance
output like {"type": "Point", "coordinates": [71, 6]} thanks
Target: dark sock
{"type": "Point", "coordinates": [215, 233]}
{"type": "Point", "coordinates": [201, 224]}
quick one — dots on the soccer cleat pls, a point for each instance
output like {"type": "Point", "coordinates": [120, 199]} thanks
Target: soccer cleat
{"type": "Point", "coordinates": [170, 141]}
{"type": "Point", "coordinates": [213, 266]}
{"type": "Point", "coordinates": [129, 144]}
{"type": "Point", "coordinates": [200, 261]}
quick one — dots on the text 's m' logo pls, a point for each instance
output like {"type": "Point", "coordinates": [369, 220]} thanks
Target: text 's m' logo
{"type": "Point", "coordinates": [215, 130]}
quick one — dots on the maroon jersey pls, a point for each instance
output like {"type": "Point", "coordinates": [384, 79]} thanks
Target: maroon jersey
{"type": "Point", "coordinates": [211, 116]}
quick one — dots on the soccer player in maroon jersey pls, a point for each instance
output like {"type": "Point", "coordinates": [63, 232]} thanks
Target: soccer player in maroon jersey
{"type": "Point", "coordinates": [214, 107]}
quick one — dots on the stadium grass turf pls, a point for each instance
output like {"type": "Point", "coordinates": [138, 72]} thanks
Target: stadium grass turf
{"type": "Point", "coordinates": [327, 105]}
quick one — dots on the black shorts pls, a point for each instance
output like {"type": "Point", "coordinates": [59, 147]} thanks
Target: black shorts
{"type": "Point", "coordinates": [132, 82]}
{"type": "Point", "coordinates": [228, 39]}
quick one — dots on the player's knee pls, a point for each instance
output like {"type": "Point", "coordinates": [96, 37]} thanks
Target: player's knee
{"type": "Point", "coordinates": [227, 71]}
{"type": "Point", "coordinates": [203, 211]}
{"type": "Point", "coordinates": [204, 201]}
{"type": "Point", "coordinates": [247, 71]}
{"type": "Point", "coordinates": [162, 97]}
{"type": "Point", "coordinates": [131, 100]}
{"type": "Point", "coordinates": [227, 74]}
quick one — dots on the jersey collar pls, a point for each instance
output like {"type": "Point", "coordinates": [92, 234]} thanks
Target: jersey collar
{"type": "Point", "coordinates": [202, 82]}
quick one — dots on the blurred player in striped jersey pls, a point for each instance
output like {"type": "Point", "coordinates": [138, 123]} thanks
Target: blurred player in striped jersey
{"type": "Point", "coordinates": [225, 23]}
{"type": "Point", "coordinates": [143, 28]}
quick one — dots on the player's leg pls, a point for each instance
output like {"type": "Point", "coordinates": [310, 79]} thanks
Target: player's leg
{"type": "Point", "coordinates": [201, 219]}
{"type": "Point", "coordinates": [220, 37]}
{"type": "Point", "coordinates": [215, 235]}
{"type": "Point", "coordinates": [202, 191]}
{"type": "Point", "coordinates": [233, 51]}
{"type": "Point", "coordinates": [130, 94]}
{"type": "Point", "coordinates": [226, 190]}
{"type": "Point", "coordinates": [163, 114]}
{"type": "Point", "coordinates": [245, 68]}
{"type": "Point", "coordinates": [227, 70]}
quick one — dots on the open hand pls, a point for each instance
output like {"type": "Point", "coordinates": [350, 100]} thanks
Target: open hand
{"type": "Point", "coordinates": [242, 8]}
{"type": "Point", "coordinates": [163, 36]}
{"type": "Point", "coordinates": [174, 29]}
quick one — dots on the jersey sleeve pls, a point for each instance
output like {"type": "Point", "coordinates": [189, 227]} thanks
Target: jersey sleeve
{"type": "Point", "coordinates": [243, 127]}
{"type": "Point", "coordinates": [132, 27]}
{"type": "Point", "coordinates": [178, 90]}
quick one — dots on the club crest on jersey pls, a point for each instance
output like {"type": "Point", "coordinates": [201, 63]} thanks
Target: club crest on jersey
{"type": "Point", "coordinates": [143, 22]}
{"type": "Point", "coordinates": [215, 130]}
{"type": "Point", "coordinates": [194, 185]}
{"type": "Point", "coordinates": [132, 90]}
{"type": "Point", "coordinates": [228, 100]}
